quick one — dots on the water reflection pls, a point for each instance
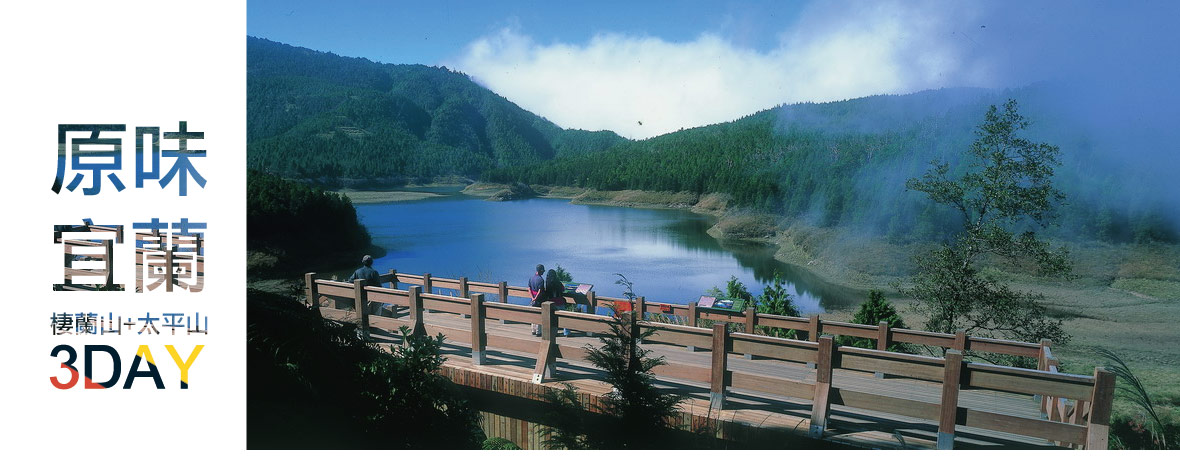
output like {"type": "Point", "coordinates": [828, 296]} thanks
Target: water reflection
{"type": "Point", "coordinates": [666, 253]}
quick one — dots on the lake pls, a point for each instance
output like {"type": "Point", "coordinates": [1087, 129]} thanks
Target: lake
{"type": "Point", "coordinates": [666, 254]}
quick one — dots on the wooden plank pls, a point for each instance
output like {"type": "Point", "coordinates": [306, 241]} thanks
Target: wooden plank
{"type": "Point", "coordinates": [772, 385]}
{"type": "Point", "coordinates": [512, 314]}
{"type": "Point", "coordinates": [446, 304]}
{"type": "Point", "coordinates": [784, 322]}
{"type": "Point", "coordinates": [1010, 379]}
{"type": "Point", "coordinates": [776, 348]}
{"type": "Point", "coordinates": [706, 314]}
{"type": "Point", "coordinates": [589, 325]}
{"type": "Point", "coordinates": [1058, 432]}
{"type": "Point", "coordinates": [1000, 346]}
{"type": "Point", "coordinates": [850, 329]}
{"type": "Point", "coordinates": [333, 288]}
{"type": "Point", "coordinates": [905, 365]}
{"type": "Point", "coordinates": [684, 371]}
{"type": "Point", "coordinates": [924, 338]}
{"type": "Point", "coordinates": [528, 346]}
{"type": "Point", "coordinates": [884, 404]}
{"type": "Point", "coordinates": [572, 352]}
{"type": "Point", "coordinates": [684, 337]}
{"type": "Point", "coordinates": [388, 296]}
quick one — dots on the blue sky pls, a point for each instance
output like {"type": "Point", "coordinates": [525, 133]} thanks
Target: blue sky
{"type": "Point", "coordinates": [437, 32]}
{"type": "Point", "coordinates": [607, 65]}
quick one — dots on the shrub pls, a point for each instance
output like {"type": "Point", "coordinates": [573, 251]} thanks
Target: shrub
{"type": "Point", "coordinates": [872, 312]}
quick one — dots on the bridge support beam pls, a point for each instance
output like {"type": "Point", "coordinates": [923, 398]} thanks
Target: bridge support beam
{"type": "Point", "coordinates": [821, 401]}
{"type": "Point", "coordinates": [719, 375]}
{"type": "Point", "coordinates": [479, 335]}
{"type": "Point", "coordinates": [547, 357]}
{"type": "Point", "coordinates": [949, 405]}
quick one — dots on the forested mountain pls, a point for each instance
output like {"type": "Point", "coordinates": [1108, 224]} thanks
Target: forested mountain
{"type": "Point", "coordinates": [319, 115]}
{"type": "Point", "coordinates": [316, 115]}
{"type": "Point", "coordinates": [846, 163]}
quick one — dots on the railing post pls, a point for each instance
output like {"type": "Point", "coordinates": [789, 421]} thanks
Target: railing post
{"type": "Point", "coordinates": [592, 299]}
{"type": "Point", "coordinates": [392, 278]}
{"type": "Point", "coordinates": [362, 306]}
{"type": "Point", "coordinates": [503, 287]}
{"type": "Point", "coordinates": [479, 335]}
{"type": "Point", "coordinates": [638, 309]}
{"type": "Point", "coordinates": [427, 286]}
{"type": "Point", "coordinates": [884, 336]}
{"type": "Point", "coordinates": [813, 330]}
{"type": "Point", "coordinates": [547, 357]}
{"type": "Point", "coordinates": [960, 341]}
{"type": "Point", "coordinates": [692, 321]}
{"type": "Point", "coordinates": [751, 323]}
{"type": "Point", "coordinates": [821, 401]}
{"type": "Point", "coordinates": [1098, 430]}
{"type": "Point", "coordinates": [1043, 365]}
{"type": "Point", "coordinates": [719, 375]}
{"type": "Point", "coordinates": [416, 311]}
{"type": "Point", "coordinates": [464, 292]}
{"type": "Point", "coordinates": [949, 406]}
{"type": "Point", "coordinates": [313, 293]}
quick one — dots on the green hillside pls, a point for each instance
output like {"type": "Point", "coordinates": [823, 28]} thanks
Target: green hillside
{"type": "Point", "coordinates": [316, 115]}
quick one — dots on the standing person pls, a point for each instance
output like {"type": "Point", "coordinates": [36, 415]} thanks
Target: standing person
{"type": "Point", "coordinates": [371, 277]}
{"type": "Point", "coordinates": [554, 292]}
{"type": "Point", "coordinates": [536, 288]}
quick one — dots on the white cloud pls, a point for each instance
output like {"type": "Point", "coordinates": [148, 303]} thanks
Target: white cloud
{"type": "Point", "coordinates": [835, 51]}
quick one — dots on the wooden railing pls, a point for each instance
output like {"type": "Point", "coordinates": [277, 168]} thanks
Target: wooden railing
{"type": "Point", "coordinates": [1077, 406]}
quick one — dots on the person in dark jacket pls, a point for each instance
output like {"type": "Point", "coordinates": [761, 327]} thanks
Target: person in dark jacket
{"type": "Point", "coordinates": [555, 293]}
{"type": "Point", "coordinates": [536, 288]}
{"type": "Point", "coordinates": [371, 277]}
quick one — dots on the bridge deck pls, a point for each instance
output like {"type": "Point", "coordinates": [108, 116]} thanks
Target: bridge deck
{"type": "Point", "coordinates": [757, 410]}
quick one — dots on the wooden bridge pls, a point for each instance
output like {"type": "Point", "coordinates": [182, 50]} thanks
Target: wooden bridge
{"type": "Point", "coordinates": [743, 383]}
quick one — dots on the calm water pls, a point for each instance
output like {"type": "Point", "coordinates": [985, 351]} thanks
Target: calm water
{"type": "Point", "coordinates": [665, 253]}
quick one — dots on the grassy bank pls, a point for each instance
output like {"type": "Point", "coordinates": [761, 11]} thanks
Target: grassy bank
{"type": "Point", "coordinates": [376, 197]}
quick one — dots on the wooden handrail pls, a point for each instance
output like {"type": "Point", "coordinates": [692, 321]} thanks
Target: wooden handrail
{"type": "Point", "coordinates": [1077, 406]}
